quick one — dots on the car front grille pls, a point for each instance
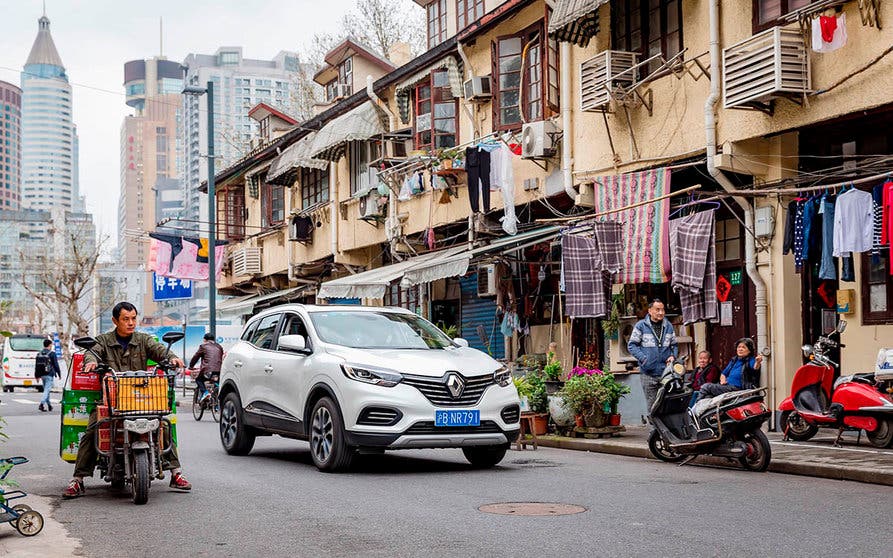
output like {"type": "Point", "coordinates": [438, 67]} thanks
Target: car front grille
{"type": "Point", "coordinates": [427, 427]}
{"type": "Point", "coordinates": [437, 392]}
{"type": "Point", "coordinates": [379, 416]}
{"type": "Point", "coordinates": [511, 414]}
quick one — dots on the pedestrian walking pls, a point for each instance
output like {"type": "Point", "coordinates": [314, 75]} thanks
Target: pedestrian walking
{"type": "Point", "coordinates": [653, 343]}
{"type": "Point", "coordinates": [46, 369]}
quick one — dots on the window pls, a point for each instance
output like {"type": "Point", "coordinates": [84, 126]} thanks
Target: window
{"type": "Point", "coordinates": [231, 214]}
{"type": "Point", "coordinates": [437, 22]}
{"type": "Point", "coordinates": [525, 76]}
{"type": "Point", "coordinates": [265, 334]}
{"type": "Point", "coordinates": [362, 153]}
{"type": "Point", "coordinates": [228, 58]}
{"type": "Point", "coordinates": [294, 325]}
{"type": "Point", "coordinates": [649, 27]}
{"type": "Point", "coordinates": [436, 113]}
{"type": "Point", "coordinates": [265, 128]}
{"type": "Point", "coordinates": [273, 200]}
{"type": "Point", "coordinates": [767, 13]}
{"type": "Point", "coordinates": [314, 187]}
{"type": "Point", "coordinates": [728, 240]}
{"type": "Point", "coordinates": [404, 297]}
{"type": "Point", "coordinates": [345, 77]}
{"type": "Point", "coordinates": [468, 11]}
{"type": "Point", "coordinates": [877, 289]}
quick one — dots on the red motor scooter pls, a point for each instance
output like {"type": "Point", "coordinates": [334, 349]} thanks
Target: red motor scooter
{"type": "Point", "coordinates": [849, 403]}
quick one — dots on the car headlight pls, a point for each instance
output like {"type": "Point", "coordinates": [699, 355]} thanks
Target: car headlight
{"type": "Point", "coordinates": [375, 376]}
{"type": "Point", "coordinates": [503, 376]}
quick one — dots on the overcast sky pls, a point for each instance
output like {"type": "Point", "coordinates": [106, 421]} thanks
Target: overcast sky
{"type": "Point", "coordinates": [96, 37]}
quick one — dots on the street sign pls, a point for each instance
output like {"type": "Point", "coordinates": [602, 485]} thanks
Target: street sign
{"type": "Point", "coordinates": [170, 288]}
{"type": "Point", "coordinates": [57, 345]}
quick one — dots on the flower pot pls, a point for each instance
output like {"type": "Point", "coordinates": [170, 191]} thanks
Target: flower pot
{"type": "Point", "coordinates": [596, 419]}
{"type": "Point", "coordinates": [614, 419]}
{"type": "Point", "coordinates": [553, 386]}
{"type": "Point", "coordinates": [579, 422]}
{"type": "Point", "coordinates": [562, 415]}
{"type": "Point", "coordinates": [540, 423]}
{"type": "Point", "coordinates": [446, 164]}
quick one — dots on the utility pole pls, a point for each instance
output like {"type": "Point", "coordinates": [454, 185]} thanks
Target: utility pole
{"type": "Point", "coordinates": [212, 219]}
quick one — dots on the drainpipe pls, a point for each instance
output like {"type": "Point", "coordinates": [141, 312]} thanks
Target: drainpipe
{"type": "Point", "coordinates": [333, 188]}
{"type": "Point", "coordinates": [566, 110]}
{"type": "Point", "coordinates": [469, 71]}
{"type": "Point", "coordinates": [392, 118]}
{"type": "Point", "coordinates": [749, 241]}
{"type": "Point", "coordinates": [392, 198]}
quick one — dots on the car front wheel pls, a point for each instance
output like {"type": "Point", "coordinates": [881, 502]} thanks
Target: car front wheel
{"type": "Point", "coordinates": [236, 437]}
{"type": "Point", "coordinates": [484, 457]}
{"type": "Point", "coordinates": [328, 444]}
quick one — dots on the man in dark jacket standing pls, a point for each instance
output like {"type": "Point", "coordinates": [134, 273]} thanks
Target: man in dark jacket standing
{"type": "Point", "coordinates": [211, 354]}
{"type": "Point", "coordinates": [46, 369]}
{"type": "Point", "coordinates": [653, 343]}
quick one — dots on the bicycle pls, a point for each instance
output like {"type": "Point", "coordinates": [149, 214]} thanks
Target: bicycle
{"type": "Point", "coordinates": [210, 403]}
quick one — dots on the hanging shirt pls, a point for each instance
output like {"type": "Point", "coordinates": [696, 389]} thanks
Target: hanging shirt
{"type": "Point", "coordinates": [828, 33]}
{"type": "Point", "coordinates": [887, 225]}
{"type": "Point", "coordinates": [853, 222]}
{"type": "Point", "coordinates": [877, 206]}
{"type": "Point", "coordinates": [798, 236]}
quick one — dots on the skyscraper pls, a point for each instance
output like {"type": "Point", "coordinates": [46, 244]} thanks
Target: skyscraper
{"type": "Point", "coordinates": [49, 137]}
{"type": "Point", "coordinates": [149, 160]}
{"type": "Point", "coordinates": [10, 145]}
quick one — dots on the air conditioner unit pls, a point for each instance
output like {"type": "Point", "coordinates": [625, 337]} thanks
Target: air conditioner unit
{"type": "Point", "coordinates": [487, 280]}
{"type": "Point", "coordinates": [342, 91]}
{"type": "Point", "coordinates": [369, 207]}
{"type": "Point", "coordinates": [538, 140]}
{"type": "Point", "coordinates": [246, 261]}
{"type": "Point", "coordinates": [608, 71]}
{"type": "Point", "coordinates": [771, 64]}
{"type": "Point", "coordinates": [477, 88]}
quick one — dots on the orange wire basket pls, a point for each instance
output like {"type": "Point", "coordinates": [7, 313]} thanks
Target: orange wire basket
{"type": "Point", "coordinates": [137, 394]}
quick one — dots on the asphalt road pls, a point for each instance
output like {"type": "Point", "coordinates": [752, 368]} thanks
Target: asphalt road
{"type": "Point", "coordinates": [425, 503]}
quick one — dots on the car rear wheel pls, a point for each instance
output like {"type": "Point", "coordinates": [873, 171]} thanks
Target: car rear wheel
{"type": "Point", "coordinates": [484, 457]}
{"type": "Point", "coordinates": [328, 444]}
{"type": "Point", "coordinates": [235, 436]}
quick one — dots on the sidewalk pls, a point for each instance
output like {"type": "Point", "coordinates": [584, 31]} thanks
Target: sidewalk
{"type": "Point", "coordinates": [815, 458]}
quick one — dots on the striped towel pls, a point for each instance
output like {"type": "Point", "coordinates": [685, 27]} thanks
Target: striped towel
{"type": "Point", "coordinates": [694, 265]}
{"type": "Point", "coordinates": [587, 285]}
{"type": "Point", "coordinates": [647, 254]}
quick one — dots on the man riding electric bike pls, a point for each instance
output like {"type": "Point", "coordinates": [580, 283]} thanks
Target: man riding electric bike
{"type": "Point", "coordinates": [122, 349]}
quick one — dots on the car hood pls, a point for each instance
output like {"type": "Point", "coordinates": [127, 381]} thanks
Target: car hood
{"type": "Point", "coordinates": [421, 362]}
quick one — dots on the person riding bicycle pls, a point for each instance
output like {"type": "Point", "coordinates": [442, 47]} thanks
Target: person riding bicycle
{"type": "Point", "coordinates": [211, 354]}
{"type": "Point", "coordinates": [122, 349]}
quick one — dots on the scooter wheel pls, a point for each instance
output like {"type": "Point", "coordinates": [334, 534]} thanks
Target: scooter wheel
{"type": "Point", "coordinates": [796, 426]}
{"type": "Point", "coordinates": [759, 453]}
{"type": "Point", "coordinates": [882, 437]}
{"type": "Point", "coordinates": [660, 451]}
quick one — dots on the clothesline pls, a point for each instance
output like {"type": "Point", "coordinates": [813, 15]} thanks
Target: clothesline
{"type": "Point", "coordinates": [619, 209]}
{"type": "Point", "coordinates": [783, 191]}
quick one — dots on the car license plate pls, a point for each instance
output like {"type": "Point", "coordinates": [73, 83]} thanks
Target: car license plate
{"type": "Point", "coordinates": [27, 382]}
{"type": "Point", "coordinates": [457, 418]}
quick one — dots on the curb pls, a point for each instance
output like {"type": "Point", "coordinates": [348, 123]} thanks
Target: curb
{"type": "Point", "coordinates": [777, 465]}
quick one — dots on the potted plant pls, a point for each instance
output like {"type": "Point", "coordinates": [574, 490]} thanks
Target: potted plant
{"type": "Point", "coordinates": [592, 394]}
{"type": "Point", "coordinates": [538, 401]}
{"type": "Point", "coordinates": [553, 373]}
{"type": "Point", "coordinates": [611, 323]}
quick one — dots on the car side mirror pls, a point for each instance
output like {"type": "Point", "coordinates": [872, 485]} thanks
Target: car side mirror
{"type": "Point", "coordinates": [296, 343]}
{"type": "Point", "coordinates": [85, 343]}
{"type": "Point", "coordinates": [461, 342]}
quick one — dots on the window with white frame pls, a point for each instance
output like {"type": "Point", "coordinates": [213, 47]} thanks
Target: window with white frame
{"type": "Point", "coordinates": [437, 22]}
{"type": "Point", "coordinates": [362, 176]}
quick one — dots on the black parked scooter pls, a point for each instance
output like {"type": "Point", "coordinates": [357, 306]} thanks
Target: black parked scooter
{"type": "Point", "coordinates": [724, 426]}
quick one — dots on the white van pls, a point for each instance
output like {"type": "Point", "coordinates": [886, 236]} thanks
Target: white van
{"type": "Point", "coordinates": [19, 352]}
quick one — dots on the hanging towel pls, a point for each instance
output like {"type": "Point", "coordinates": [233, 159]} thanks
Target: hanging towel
{"type": "Point", "coordinates": [585, 269]}
{"type": "Point", "coordinates": [647, 255]}
{"type": "Point", "coordinates": [829, 33]}
{"type": "Point", "coordinates": [693, 261]}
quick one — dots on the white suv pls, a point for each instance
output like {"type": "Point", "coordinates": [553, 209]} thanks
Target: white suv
{"type": "Point", "coordinates": [351, 379]}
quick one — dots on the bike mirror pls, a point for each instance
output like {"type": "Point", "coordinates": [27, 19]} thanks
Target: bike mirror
{"type": "Point", "coordinates": [172, 337]}
{"type": "Point", "coordinates": [85, 343]}
{"type": "Point", "coordinates": [841, 326]}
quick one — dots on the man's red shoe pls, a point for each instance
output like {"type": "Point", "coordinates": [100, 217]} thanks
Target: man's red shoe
{"type": "Point", "coordinates": [75, 489]}
{"type": "Point", "coordinates": [179, 482]}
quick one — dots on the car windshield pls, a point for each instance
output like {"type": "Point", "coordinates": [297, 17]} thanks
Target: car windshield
{"type": "Point", "coordinates": [378, 330]}
{"type": "Point", "coordinates": [26, 343]}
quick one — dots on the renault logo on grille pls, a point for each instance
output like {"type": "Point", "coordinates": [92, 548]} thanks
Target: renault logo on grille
{"type": "Point", "coordinates": [455, 384]}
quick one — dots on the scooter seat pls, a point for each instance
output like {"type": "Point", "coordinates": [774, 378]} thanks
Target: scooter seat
{"type": "Point", "coordinates": [711, 403]}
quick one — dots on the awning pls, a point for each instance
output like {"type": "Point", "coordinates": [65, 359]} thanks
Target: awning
{"type": "Point", "coordinates": [375, 282]}
{"type": "Point", "coordinates": [361, 123]}
{"type": "Point", "coordinates": [457, 264]}
{"type": "Point", "coordinates": [575, 21]}
{"type": "Point", "coordinates": [452, 262]}
{"type": "Point", "coordinates": [295, 156]}
{"type": "Point", "coordinates": [236, 304]}
{"type": "Point", "coordinates": [403, 91]}
{"type": "Point", "coordinates": [279, 297]}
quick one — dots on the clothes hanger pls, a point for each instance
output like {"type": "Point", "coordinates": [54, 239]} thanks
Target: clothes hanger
{"type": "Point", "coordinates": [710, 204]}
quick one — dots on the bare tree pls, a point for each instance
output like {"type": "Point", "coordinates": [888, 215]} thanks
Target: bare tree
{"type": "Point", "coordinates": [380, 24]}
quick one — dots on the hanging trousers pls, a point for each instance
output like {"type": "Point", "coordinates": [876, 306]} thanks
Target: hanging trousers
{"type": "Point", "coordinates": [477, 165]}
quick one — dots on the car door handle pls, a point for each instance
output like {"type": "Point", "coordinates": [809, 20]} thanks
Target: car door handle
{"type": "Point", "coordinates": [237, 363]}
{"type": "Point", "coordinates": [268, 368]}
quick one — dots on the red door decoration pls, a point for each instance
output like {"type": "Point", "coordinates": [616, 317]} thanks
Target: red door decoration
{"type": "Point", "coordinates": [723, 288]}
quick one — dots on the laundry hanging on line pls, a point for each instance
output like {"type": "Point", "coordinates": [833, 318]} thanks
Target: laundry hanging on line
{"type": "Point", "coordinates": [184, 257]}
{"type": "Point", "coordinates": [590, 264]}
{"type": "Point", "coordinates": [693, 259]}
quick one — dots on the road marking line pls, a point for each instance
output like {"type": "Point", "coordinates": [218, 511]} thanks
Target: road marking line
{"type": "Point", "coordinates": [25, 401]}
{"type": "Point", "coordinates": [829, 447]}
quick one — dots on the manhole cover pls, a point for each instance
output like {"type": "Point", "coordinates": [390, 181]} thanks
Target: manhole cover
{"type": "Point", "coordinates": [531, 508]}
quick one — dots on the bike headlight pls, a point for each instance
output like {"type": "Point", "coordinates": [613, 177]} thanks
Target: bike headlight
{"type": "Point", "coordinates": [369, 375]}
{"type": "Point", "coordinates": [807, 350]}
{"type": "Point", "coordinates": [503, 376]}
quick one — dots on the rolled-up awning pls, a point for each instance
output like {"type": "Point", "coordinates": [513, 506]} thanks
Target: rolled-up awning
{"type": "Point", "coordinates": [403, 91]}
{"type": "Point", "coordinates": [361, 123]}
{"type": "Point", "coordinates": [295, 156]}
{"type": "Point", "coordinates": [575, 21]}
{"type": "Point", "coordinates": [452, 262]}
